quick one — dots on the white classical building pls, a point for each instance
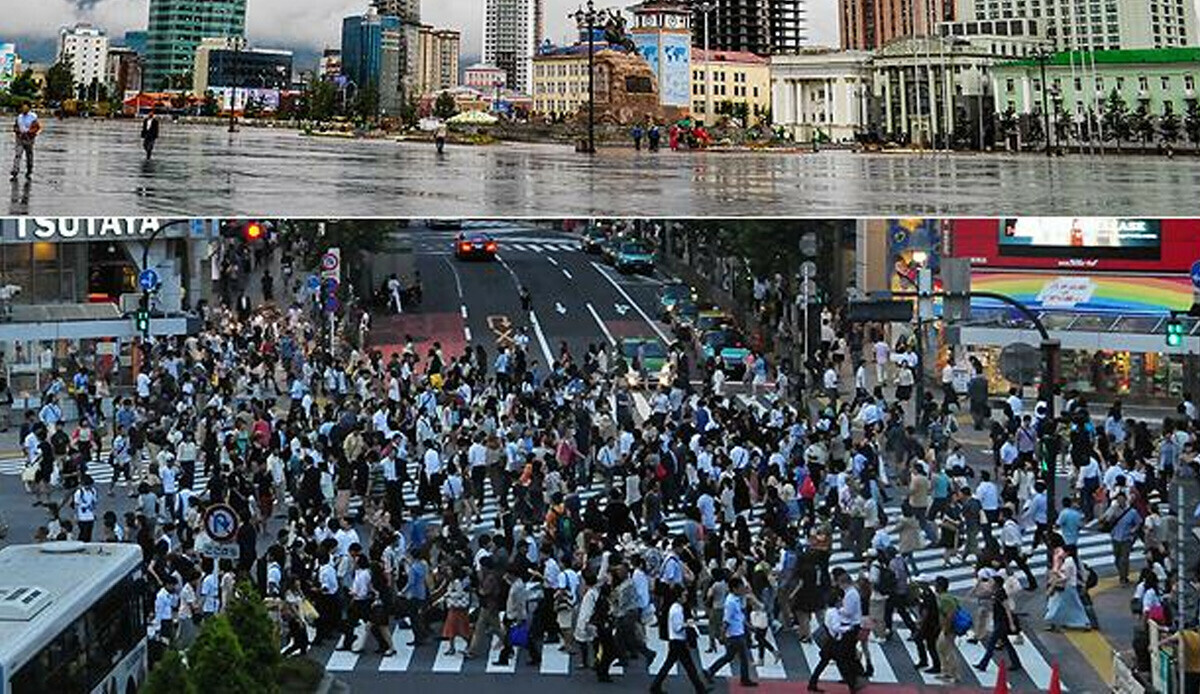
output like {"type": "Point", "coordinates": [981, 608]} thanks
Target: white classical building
{"type": "Point", "coordinates": [821, 91]}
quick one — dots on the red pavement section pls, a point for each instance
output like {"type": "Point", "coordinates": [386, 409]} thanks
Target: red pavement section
{"type": "Point", "coordinates": [388, 333]}
{"type": "Point", "coordinates": [777, 687]}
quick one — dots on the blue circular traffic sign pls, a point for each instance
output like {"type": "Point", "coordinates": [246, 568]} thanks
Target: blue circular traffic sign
{"type": "Point", "coordinates": [148, 279]}
{"type": "Point", "coordinates": [1196, 274]}
{"type": "Point", "coordinates": [221, 522]}
{"type": "Point", "coordinates": [314, 283]}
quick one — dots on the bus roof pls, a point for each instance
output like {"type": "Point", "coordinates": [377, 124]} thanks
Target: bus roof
{"type": "Point", "coordinates": [44, 587]}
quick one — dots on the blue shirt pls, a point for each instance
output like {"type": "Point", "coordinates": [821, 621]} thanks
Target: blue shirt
{"type": "Point", "coordinates": [1069, 521]}
{"type": "Point", "coordinates": [415, 588]}
{"type": "Point", "coordinates": [672, 570]}
{"type": "Point", "coordinates": [1037, 508]}
{"type": "Point", "coordinates": [1126, 525]}
{"type": "Point", "coordinates": [735, 616]}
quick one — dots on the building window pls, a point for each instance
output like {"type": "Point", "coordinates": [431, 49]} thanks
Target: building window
{"type": "Point", "coordinates": [1166, 82]}
{"type": "Point", "coordinates": [1189, 82]}
{"type": "Point", "coordinates": [1143, 83]}
{"type": "Point", "coordinates": [1009, 85]}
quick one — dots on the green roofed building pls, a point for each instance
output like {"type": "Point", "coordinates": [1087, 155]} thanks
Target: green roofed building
{"type": "Point", "coordinates": [1163, 79]}
{"type": "Point", "coordinates": [174, 31]}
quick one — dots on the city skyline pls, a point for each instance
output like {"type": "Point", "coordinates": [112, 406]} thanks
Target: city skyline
{"type": "Point", "coordinates": [308, 27]}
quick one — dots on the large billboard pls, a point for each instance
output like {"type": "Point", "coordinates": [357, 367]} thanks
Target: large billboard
{"type": "Point", "coordinates": [670, 57]}
{"type": "Point", "coordinates": [8, 65]}
{"type": "Point", "coordinates": [1080, 237]}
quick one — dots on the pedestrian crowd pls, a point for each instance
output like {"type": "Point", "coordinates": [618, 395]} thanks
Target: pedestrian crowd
{"type": "Point", "coordinates": [502, 506]}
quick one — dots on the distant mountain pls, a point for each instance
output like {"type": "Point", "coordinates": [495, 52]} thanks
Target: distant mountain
{"type": "Point", "coordinates": [37, 50]}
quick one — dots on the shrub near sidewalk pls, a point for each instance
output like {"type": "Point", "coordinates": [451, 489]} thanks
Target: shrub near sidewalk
{"type": "Point", "coordinates": [236, 652]}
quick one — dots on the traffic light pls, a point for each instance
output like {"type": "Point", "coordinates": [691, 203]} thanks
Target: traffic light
{"type": "Point", "coordinates": [252, 232]}
{"type": "Point", "coordinates": [141, 321]}
{"type": "Point", "coordinates": [1174, 333]}
{"type": "Point", "coordinates": [247, 231]}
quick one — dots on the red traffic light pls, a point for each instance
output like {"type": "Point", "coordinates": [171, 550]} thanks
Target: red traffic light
{"type": "Point", "coordinates": [253, 231]}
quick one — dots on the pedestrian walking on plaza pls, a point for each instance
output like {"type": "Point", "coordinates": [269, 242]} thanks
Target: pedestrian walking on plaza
{"type": "Point", "coordinates": [653, 135]}
{"type": "Point", "coordinates": [637, 133]}
{"type": "Point", "coordinates": [25, 129]}
{"type": "Point", "coordinates": [149, 133]}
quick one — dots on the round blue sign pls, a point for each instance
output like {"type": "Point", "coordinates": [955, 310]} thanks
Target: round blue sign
{"type": "Point", "coordinates": [1196, 274]}
{"type": "Point", "coordinates": [314, 282]}
{"type": "Point", "coordinates": [148, 279]}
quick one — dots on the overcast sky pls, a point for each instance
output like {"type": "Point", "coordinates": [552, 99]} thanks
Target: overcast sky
{"type": "Point", "coordinates": [309, 25]}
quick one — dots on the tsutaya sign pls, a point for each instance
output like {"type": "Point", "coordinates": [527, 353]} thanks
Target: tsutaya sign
{"type": "Point", "coordinates": [83, 229]}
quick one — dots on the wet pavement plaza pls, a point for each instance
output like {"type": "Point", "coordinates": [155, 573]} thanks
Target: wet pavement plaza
{"type": "Point", "coordinates": [97, 168]}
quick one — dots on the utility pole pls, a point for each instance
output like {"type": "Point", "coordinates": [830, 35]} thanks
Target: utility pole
{"type": "Point", "coordinates": [706, 8]}
{"type": "Point", "coordinates": [1042, 57]}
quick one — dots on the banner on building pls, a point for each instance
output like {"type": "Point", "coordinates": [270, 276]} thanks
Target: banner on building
{"type": "Point", "coordinates": [1082, 293]}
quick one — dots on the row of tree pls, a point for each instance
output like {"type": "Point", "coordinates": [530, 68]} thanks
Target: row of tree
{"type": "Point", "coordinates": [1116, 123]}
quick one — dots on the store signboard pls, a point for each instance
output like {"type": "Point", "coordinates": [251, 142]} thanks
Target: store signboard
{"type": "Point", "coordinates": [1095, 293]}
{"type": "Point", "coordinates": [82, 229]}
{"type": "Point", "coordinates": [1081, 237]}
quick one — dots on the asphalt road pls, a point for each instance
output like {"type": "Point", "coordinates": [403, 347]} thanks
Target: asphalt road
{"type": "Point", "coordinates": [97, 168]}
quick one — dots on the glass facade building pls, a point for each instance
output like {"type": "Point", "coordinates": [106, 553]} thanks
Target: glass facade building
{"type": "Point", "coordinates": [175, 29]}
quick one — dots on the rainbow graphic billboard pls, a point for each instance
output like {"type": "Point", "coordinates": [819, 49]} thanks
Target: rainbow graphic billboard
{"type": "Point", "coordinates": [1096, 293]}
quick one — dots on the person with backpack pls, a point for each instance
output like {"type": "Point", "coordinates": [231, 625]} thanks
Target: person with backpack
{"type": "Point", "coordinates": [893, 582]}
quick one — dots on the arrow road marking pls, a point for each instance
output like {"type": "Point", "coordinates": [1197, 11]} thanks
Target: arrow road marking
{"type": "Point", "coordinates": [562, 310]}
{"type": "Point", "coordinates": [622, 308]}
{"type": "Point", "coordinates": [654, 326]}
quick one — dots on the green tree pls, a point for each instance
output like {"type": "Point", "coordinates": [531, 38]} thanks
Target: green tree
{"type": "Point", "coordinates": [445, 107]}
{"type": "Point", "coordinates": [362, 235]}
{"type": "Point", "coordinates": [60, 84]}
{"type": "Point", "coordinates": [1191, 122]}
{"type": "Point", "coordinates": [1007, 124]}
{"type": "Point", "coordinates": [1116, 119]}
{"type": "Point", "coordinates": [1168, 126]}
{"type": "Point", "coordinates": [208, 105]}
{"type": "Point", "coordinates": [1064, 126]}
{"type": "Point", "coordinates": [23, 85]}
{"type": "Point", "coordinates": [257, 635]}
{"type": "Point", "coordinates": [218, 663]}
{"type": "Point", "coordinates": [1141, 124]}
{"type": "Point", "coordinates": [169, 676]}
{"type": "Point", "coordinates": [322, 100]}
{"type": "Point", "coordinates": [366, 102]}
{"type": "Point", "coordinates": [410, 112]}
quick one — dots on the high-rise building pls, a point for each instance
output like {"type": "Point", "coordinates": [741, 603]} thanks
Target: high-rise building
{"type": "Point", "coordinates": [175, 29]}
{"type": "Point", "coordinates": [331, 64]}
{"type": "Point", "coordinates": [870, 24]}
{"type": "Point", "coordinates": [510, 39]}
{"type": "Point", "coordinates": [371, 55]}
{"type": "Point", "coordinates": [1074, 25]}
{"type": "Point", "coordinates": [789, 26]}
{"type": "Point", "coordinates": [762, 27]}
{"type": "Point", "coordinates": [438, 51]}
{"type": "Point", "coordinates": [84, 48]}
{"type": "Point", "coordinates": [406, 10]}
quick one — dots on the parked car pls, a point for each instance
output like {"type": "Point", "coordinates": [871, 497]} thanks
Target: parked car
{"type": "Point", "coordinates": [671, 294]}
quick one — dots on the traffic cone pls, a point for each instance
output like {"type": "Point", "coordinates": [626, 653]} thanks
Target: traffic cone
{"type": "Point", "coordinates": [1055, 683]}
{"type": "Point", "coordinates": [1002, 679]}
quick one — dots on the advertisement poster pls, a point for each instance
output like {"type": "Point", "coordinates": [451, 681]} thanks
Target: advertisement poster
{"type": "Point", "coordinates": [8, 65]}
{"type": "Point", "coordinates": [675, 77]}
{"type": "Point", "coordinates": [914, 244]}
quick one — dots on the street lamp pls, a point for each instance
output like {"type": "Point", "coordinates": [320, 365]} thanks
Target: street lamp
{"type": "Point", "coordinates": [237, 67]}
{"type": "Point", "coordinates": [588, 16]}
{"type": "Point", "coordinates": [1042, 56]}
{"type": "Point", "coordinates": [706, 8]}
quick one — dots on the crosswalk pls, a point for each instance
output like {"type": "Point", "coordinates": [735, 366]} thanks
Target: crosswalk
{"type": "Point", "coordinates": [893, 660]}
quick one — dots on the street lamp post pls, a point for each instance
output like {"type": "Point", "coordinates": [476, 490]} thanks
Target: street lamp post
{"type": "Point", "coordinates": [1043, 56]}
{"type": "Point", "coordinates": [237, 67]}
{"type": "Point", "coordinates": [588, 16]}
{"type": "Point", "coordinates": [706, 8]}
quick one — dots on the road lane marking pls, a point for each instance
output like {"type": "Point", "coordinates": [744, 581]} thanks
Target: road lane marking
{"type": "Point", "coordinates": [464, 311]}
{"type": "Point", "coordinates": [634, 304]}
{"type": "Point", "coordinates": [457, 280]}
{"type": "Point", "coordinates": [404, 652]}
{"type": "Point", "coordinates": [567, 273]}
{"type": "Point", "coordinates": [467, 332]}
{"type": "Point", "coordinates": [604, 328]}
{"type": "Point", "coordinates": [552, 261]}
{"type": "Point", "coordinates": [541, 338]}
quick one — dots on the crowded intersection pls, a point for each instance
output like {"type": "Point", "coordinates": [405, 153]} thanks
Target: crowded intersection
{"type": "Point", "coordinates": [519, 454]}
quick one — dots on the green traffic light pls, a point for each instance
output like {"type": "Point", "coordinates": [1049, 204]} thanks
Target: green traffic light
{"type": "Point", "coordinates": [142, 320]}
{"type": "Point", "coordinates": [1174, 333]}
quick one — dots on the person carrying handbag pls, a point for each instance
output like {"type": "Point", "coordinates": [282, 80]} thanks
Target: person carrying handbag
{"type": "Point", "coordinates": [1004, 625]}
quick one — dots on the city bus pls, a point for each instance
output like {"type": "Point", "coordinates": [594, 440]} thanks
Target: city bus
{"type": "Point", "coordinates": [72, 618]}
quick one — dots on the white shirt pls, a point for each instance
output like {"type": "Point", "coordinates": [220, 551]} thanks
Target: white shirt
{"type": "Point", "coordinates": [143, 385]}
{"type": "Point", "coordinates": [676, 624]}
{"type": "Point", "coordinates": [85, 504]}
{"type": "Point", "coordinates": [25, 122]}
{"type": "Point", "coordinates": [164, 605]}
{"type": "Point", "coordinates": [477, 455]}
{"type": "Point", "coordinates": [433, 462]}
{"type": "Point", "coordinates": [210, 594]}
{"type": "Point", "coordinates": [989, 498]}
{"type": "Point", "coordinates": [831, 379]}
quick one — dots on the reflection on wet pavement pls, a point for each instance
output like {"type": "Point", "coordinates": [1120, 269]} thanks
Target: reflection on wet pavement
{"type": "Point", "coordinates": [97, 168]}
